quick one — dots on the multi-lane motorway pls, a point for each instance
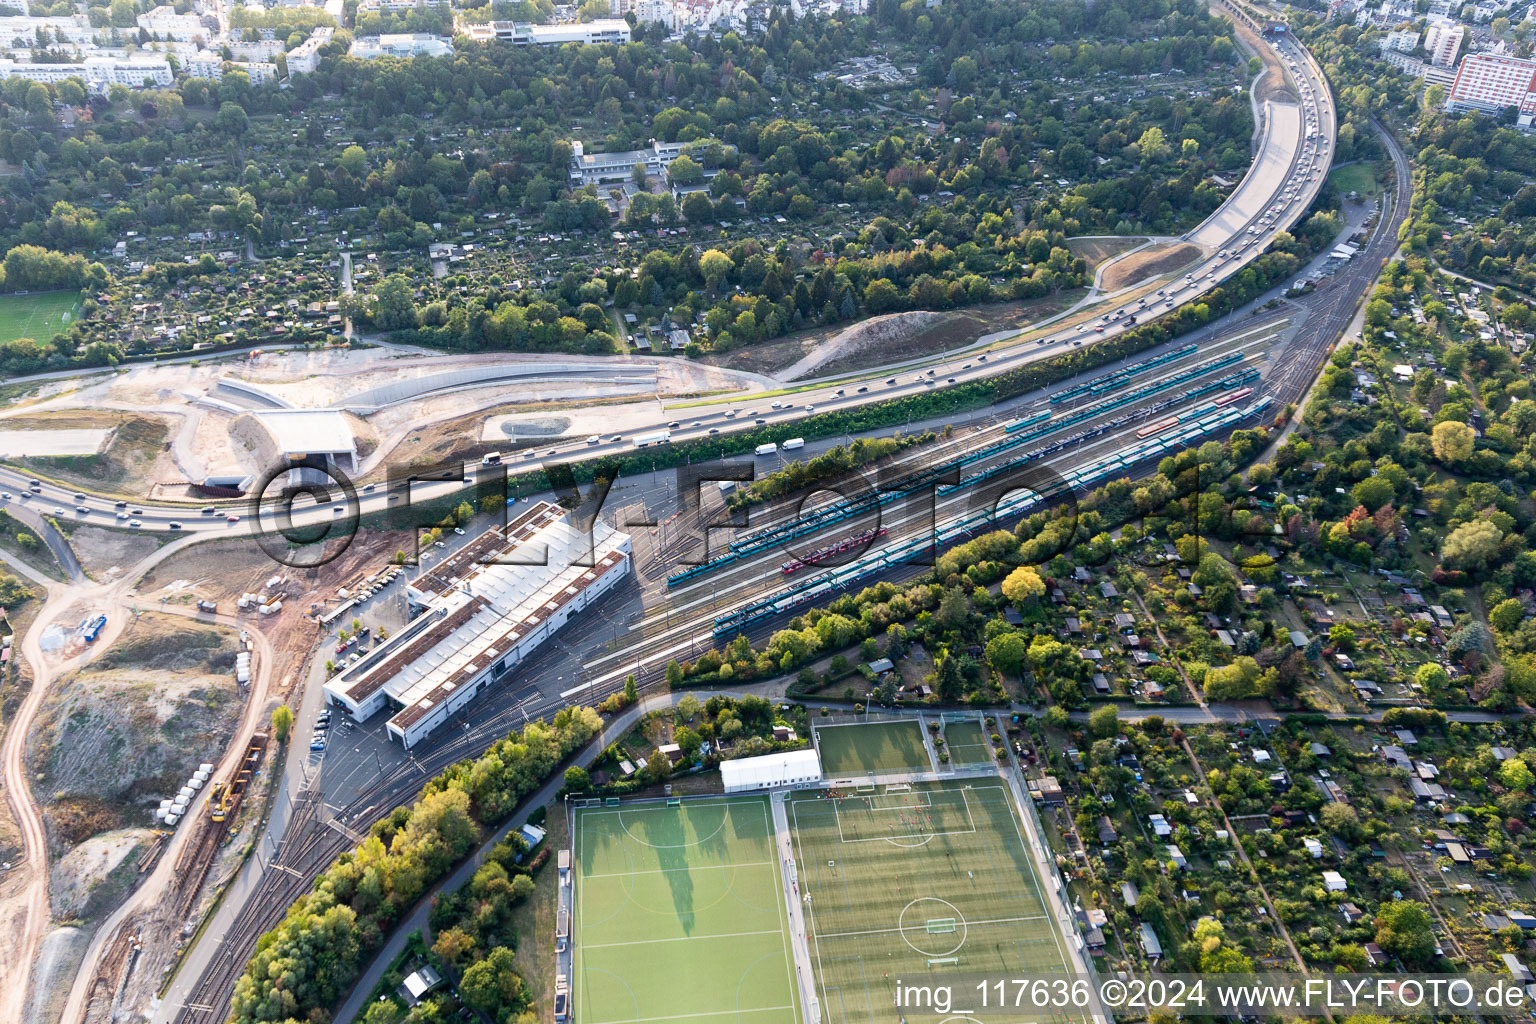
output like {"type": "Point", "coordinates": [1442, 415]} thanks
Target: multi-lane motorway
{"type": "Point", "coordinates": [1293, 158]}
{"type": "Point", "coordinates": [1296, 146]}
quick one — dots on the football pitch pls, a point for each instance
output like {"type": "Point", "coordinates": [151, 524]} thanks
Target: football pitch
{"type": "Point", "coordinates": [38, 316]}
{"type": "Point", "coordinates": [680, 915]}
{"type": "Point", "coordinates": [966, 742]}
{"type": "Point", "coordinates": [872, 748]}
{"type": "Point", "coordinates": [910, 881]}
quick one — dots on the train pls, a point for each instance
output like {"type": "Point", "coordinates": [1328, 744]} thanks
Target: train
{"type": "Point", "coordinates": [1158, 427]}
{"type": "Point", "coordinates": [1118, 378]}
{"type": "Point", "coordinates": [794, 565]}
{"type": "Point", "coordinates": [1020, 432]}
{"type": "Point", "coordinates": [1236, 396]}
{"type": "Point", "coordinates": [1021, 502]}
{"type": "Point", "coordinates": [224, 797]}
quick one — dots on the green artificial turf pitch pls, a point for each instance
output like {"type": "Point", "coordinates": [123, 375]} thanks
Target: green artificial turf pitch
{"type": "Point", "coordinates": [874, 747]}
{"type": "Point", "coordinates": [680, 915]}
{"type": "Point", "coordinates": [38, 316]}
{"type": "Point", "coordinates": [887, 873]}
{"type": "Point", "coordinates": [967, 743]}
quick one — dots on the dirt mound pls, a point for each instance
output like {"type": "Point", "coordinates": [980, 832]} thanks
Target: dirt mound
{"type": "Point", "coordinates": [1147, 264]}
{"type": "Point", "coordinates": [92, 878]}
{"type": "Point", "coordinates": [878, 332]}
{"type": "Point", "coordinates": [114, 739]}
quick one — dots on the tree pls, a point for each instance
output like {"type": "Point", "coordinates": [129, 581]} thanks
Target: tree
{"type": "Point", "coordinates": [1507, 615]}
{"type": "Point", "coordinates": [1432, 677]}
{"type": "Point", "coordinates": [1023, 585]}
{"type": "Point", "coordinates": [1236, 681]}
{"type": "Point", "coordinates": [1342, 637]}
{"type": "Point", "coordinates": [492, 986]}
{"type": "Point", "coordinates": [1005, 653]}
{"type": "Point", "coordinates": [1403, 929]}
{"type": "Point", "coordinates": [674, 673]}
{"type": "Point", "coordinates": [715, 265]}
{"type": "Point", "coordinates": [685, 170]}
{"type": "Point", "coordinates": [1516, 774]}
{"type": "Point", "coordinates": [1342, 821]}
{"type": "Point", "coordinates": [232, 120]}
{"type": "Point", "coordinates": [688, 708]}
{"type": "Point", "coordinates": [577, 780]}
{"type": "Point", "coordinates": [395, 304]}
{"type": "Point", "coordinates": [282, 722]}
{"type": "Point", "coordinates": [1153, 144]}
{"type": "Point", "coordinates": [631, 694]}
{"type": "Point", "coordinates": [1452, 442]}
{"type": "Point", "coordinates": [1104, 722]}
{"type": "Point", "coordinates": [1471, 546]}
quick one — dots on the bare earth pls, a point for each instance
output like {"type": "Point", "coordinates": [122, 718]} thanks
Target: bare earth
{"type": "Point", "coordinates": [1147, 264]}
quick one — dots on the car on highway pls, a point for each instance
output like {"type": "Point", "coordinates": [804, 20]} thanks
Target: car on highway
{"type": "Point", "coordinates": [122, 515]}
{"type": "Point", "coordinates": [231, 519]}
{"type": "Point", "coordinates": [135, 523]}
{"type": "Point", "coordinates": [137, 512]}
{"type": "Point", "coordinates": [173, 525]}
{"type": "Point", "coordinates": [459, 530]}
{"type": "Point", "coordinates": [337, 510]}
{"type": "Point", "coordinates": [5, 495]}
{"type": "Point", "coordinates": [58, 510]}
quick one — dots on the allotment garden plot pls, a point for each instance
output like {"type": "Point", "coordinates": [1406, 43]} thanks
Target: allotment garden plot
{"type": "Point", "coordinates": [680, 915]}
{"type": "Point", "coordinates": [908, 881]}
{"type": "Point", "coordinates": [873, 748]}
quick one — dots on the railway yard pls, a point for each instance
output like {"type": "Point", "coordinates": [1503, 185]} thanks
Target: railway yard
{"type": "Point", "coordinates": [701, 578]}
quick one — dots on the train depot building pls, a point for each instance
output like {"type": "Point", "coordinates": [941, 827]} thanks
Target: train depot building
{"type": "Point", "coordinates": [478, 615]}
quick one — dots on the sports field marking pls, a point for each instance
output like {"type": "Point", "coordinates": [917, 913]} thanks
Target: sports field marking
{"type": "Point", "coordinates": [663, 871]}
{"type": "Point", "coordinates": [978, 924]}
{"type": "Point", "coordinates": [695, 1016]}
{"type": "Point", "coordinates": [682, 938]}
{"type": "Point", "coordinates": [926, 837]}
{"type": "Point", "coordinates": [618, 981]}
{"type": "Point", "coordinates": [986, 860]}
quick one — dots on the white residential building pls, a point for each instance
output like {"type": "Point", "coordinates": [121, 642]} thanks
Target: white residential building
{"type": "Point", "coordinates": [407, 45]}
{"type": "Point", "coordinates": [1402, 40]}
{"type": "Point", "coordinates": [1491, 84]}
{"type": "Point", "coordinates": [20, 32]}
{"type": "Point", "coordinates": [1442, 41]}
{"type": "Point", "coordinates": [184, 28]}
{"type": "Point", "coordinates": [98, 73]}
{"type": "Point", "coordinates": [302, 59]}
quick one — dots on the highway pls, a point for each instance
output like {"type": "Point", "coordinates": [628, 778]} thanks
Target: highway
{"type": "Point", "coordinates": [1294, 156]}
{"type": "Point", "coordinates": [1292, 161]}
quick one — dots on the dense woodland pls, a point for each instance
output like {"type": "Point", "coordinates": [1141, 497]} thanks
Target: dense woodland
{"type": "Point", "coordinates": [1004, 142]}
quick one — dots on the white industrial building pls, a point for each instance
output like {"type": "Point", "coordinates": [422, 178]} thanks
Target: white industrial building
{"type": "Point", "coordinates": [482, 612]}
{"type": "Point", "coordinates": [771, 771]}
{"type": "Point", "coordinates": [400, 44]}
{"type": "Point", "coordinates": [603, 30]}
{"type": "Point", "coordinates": [98, 73]}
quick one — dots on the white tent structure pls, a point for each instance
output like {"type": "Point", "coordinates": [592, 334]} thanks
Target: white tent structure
{"type": "Point", "coordinates": [790, 768]}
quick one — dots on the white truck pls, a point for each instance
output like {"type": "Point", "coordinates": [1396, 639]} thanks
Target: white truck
{"type": "Point", "coordinates": [653, 438]}
{"type": "Point", "coordinates": [793, 443]}
{"type": "Point", "coordinates": [767, 449]}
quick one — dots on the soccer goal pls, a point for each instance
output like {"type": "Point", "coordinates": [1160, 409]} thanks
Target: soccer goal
{"type": "Point", "coordinates": [941, 925]}
{"type": "Point", "coordinates": [899, 787]}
